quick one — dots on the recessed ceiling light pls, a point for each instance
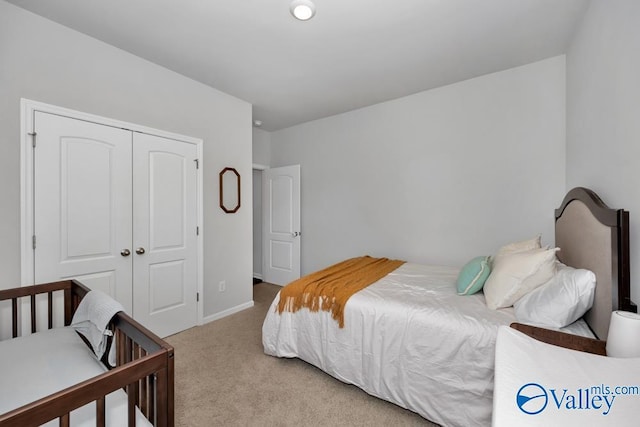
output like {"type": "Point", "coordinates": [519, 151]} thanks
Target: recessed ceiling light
{"type": "Point", "coordinates": [302, 9]}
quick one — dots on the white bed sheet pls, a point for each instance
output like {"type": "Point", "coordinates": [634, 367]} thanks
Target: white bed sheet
{"type": "Point", "coordinates": [409, 339]}
{"type": "Point", "coordinates": [37, 365]}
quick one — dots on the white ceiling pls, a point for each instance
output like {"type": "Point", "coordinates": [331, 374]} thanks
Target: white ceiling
{"type": "Point", "coordinates": [353, 53]}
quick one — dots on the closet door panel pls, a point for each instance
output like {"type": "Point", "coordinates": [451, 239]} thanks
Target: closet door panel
{"type": "Point", "coordinates": [82, 200]}
{"type": "Point", "coordinates": [165, 240]}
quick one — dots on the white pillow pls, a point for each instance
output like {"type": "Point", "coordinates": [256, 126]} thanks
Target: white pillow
{"type": "Point", "coordinates": [525, 245]}
{"type": "Point", "coordinates": [559, 302]}
{"type": "Point", "coordinates": [515, 274]}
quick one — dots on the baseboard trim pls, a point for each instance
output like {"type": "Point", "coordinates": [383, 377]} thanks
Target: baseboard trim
{"type": "Point", "coordinates": [227, 312]}
{"type": "Point", "coordinates": [257, 276]}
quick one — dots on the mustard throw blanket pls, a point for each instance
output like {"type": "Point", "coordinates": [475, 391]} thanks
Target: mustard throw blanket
{"type": "Point", "coordinates": [331, 288]}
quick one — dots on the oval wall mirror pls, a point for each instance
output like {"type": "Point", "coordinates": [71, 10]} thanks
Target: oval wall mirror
{"type": "Point", "coordinates": [229, 190]}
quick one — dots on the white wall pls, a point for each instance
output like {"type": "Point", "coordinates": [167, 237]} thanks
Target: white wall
{"type": "Point", "coordinates": [47, 62]}
{"type": "Point", "coordinates": [603, 112]}
{"type": "Point", "coordinates": [436, 177]}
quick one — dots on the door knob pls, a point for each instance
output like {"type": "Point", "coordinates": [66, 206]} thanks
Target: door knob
{"type": "Point", "coordinates": [125, 252]}
{"type": "Point", "coordinates": [296, 233]}
{"type": "Point", "coordinates": [140, 251]}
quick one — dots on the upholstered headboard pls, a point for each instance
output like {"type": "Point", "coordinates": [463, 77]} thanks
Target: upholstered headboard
{"type": "Point", "coordinates": [590, 235]}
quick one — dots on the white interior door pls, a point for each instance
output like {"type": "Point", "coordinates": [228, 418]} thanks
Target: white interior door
{"type": "Point", "coordinates": [165, 239]}
{"type": "Point", "coordinates": [281, 227]}
{"type": "Point", "coordinates": [82, 204]}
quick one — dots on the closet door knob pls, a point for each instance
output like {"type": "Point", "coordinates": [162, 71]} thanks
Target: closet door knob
{"type": "Point", "coordinates": [125, 252]}
{"type": "Point", "coordinates": [140, 251]}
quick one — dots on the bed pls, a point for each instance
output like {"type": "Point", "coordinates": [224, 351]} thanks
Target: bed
{"type": "Point", "coordinates": [411, 340]}
{"type": "Point", "coordinates": [135, 389]}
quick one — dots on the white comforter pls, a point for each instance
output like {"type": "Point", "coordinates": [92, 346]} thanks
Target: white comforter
{"type": "Point", "coordinates": [409, 339]}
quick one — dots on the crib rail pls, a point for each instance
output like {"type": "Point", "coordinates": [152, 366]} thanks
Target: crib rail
{"type": "Point", "coordinates": [60, 404]}
{"type": "Point", "coordinates": [153, 395]}
{"type": "Point", "coordinates": [144, 366]}
{"type": "Point", "coordinates": [73, 292]}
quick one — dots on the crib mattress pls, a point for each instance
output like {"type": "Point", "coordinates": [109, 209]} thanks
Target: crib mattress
{"type": "Point", "coordinates": [37, 365]}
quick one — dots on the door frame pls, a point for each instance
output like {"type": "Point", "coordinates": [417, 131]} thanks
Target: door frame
{"type": "Point", "coordinates": [28, 108]}
{"type": "Point", "coordinates": [260, 168]}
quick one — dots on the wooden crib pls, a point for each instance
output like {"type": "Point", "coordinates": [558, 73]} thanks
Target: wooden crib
{"type": "Point", "coordinates": [144, 366]}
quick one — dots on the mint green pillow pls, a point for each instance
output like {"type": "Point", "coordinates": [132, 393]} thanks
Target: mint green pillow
{"type": "Point", "coordinates": [473, 275]}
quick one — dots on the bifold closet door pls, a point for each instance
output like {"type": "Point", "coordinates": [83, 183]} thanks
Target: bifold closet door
{"type": "Point", "coordinates": [83, 204]}
{"type": "Point", "coordinates": [165, 234]}
{"type": "Point", "coordinates": [117, 210]}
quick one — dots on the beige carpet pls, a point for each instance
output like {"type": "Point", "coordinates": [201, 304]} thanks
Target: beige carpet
{"type": "Point", "coordinates": [223, 378]}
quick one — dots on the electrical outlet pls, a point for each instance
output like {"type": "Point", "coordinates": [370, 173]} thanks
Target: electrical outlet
{"type": "Point", "coordinates": [222, 286]}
